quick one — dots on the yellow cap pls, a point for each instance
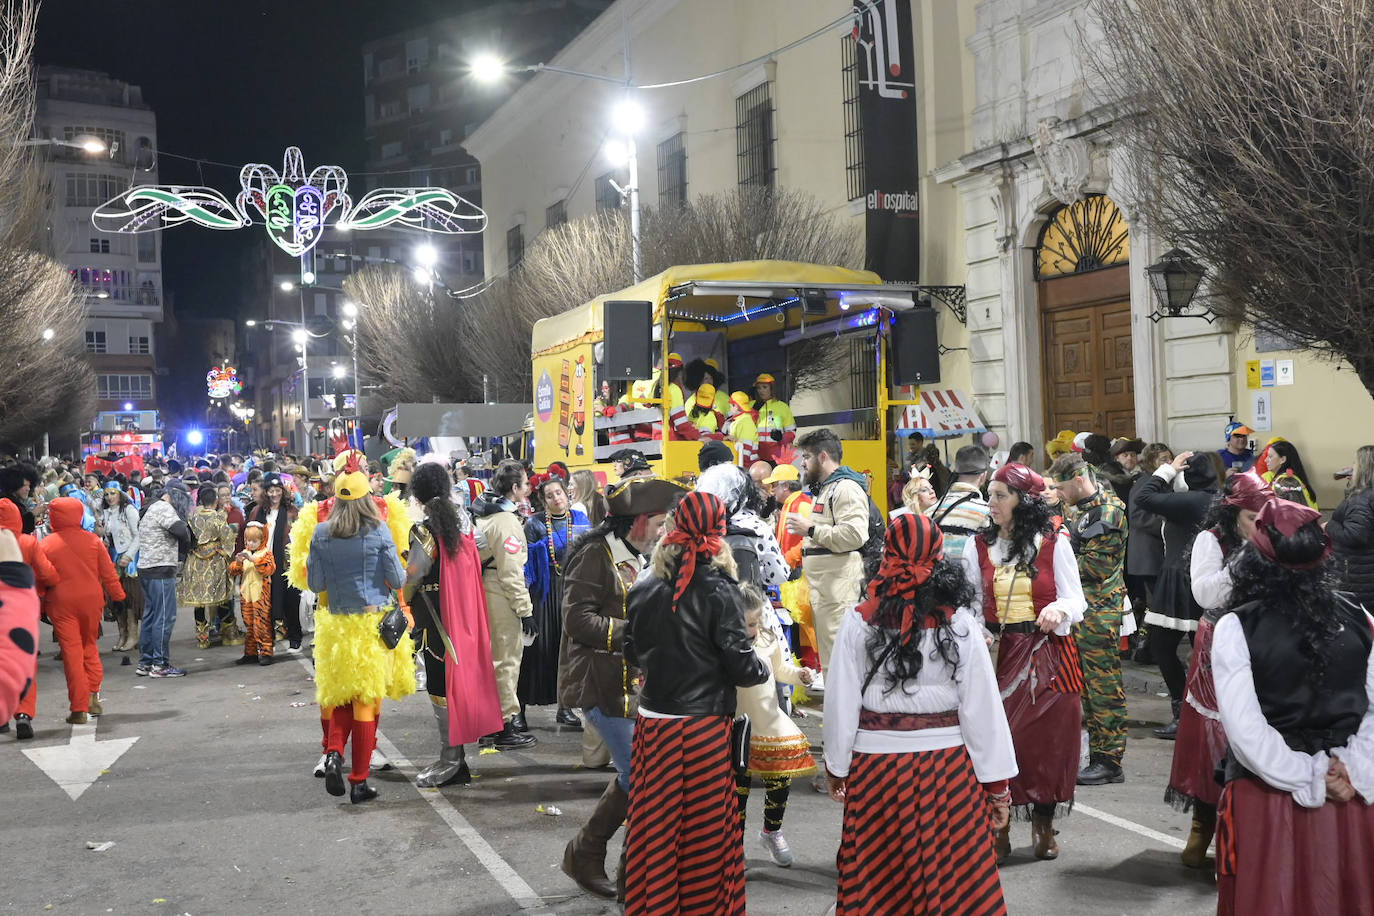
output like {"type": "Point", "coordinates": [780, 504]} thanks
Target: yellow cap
{"type": "Point", "coordinates": [782, 473]}
{"type": "Point", "coordinates": [741, 400]}
{"type": "Point", "coordinates": [764, 379]}
{"type": "Point", "coordinates": [674, 360]}
{"type": "Point", "coordinates": [706, 395]}
{"type": "Point", "coordinates": [712, 363]}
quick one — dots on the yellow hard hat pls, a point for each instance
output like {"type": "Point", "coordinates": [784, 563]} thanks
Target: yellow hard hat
{"type": "Point", "coordinates": [764, 379]}
{"type": "Point", "coordinates": [706, 395]}
{"type": "Point", "coordinates": [783, 473]}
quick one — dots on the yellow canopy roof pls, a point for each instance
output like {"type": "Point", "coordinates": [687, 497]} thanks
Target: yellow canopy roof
{"type": "Point", "coordinates": [584, 321]}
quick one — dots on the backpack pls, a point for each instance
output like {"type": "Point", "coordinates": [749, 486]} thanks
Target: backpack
{"type": "Point", "coordinates": [872, 549]}
{"type": "Point", "coordinates": [744, 546]}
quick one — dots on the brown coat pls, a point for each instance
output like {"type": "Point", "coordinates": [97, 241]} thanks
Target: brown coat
{"type": "Point", "coordinates": [592, 671]}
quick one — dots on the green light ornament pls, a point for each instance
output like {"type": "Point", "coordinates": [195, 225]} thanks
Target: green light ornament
{"type": "Point", "coordinates": [294, 208]}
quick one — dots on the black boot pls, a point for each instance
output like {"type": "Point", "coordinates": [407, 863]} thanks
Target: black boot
{"type": "Point", "coordinates": [509, 739]}
{"type": "Point", "coordinates": [23, 727]}
{"type": "Point", "coordinates": [567, 717]}
{"type": "Point", "coordinates": [1101, 771]}
{"type": "Point", "coordinates": [333, 773]}
{"type": "Point", "coordinates": [518, 721]}
{"type": "Point", "coordinates": [360, 792]}
{"type": "Point", "coordinates": [1170, 731]}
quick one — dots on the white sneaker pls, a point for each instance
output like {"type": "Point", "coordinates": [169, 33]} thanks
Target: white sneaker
{"type": "Point", "coordinates": [777, 847]}
{"type": "Point", "coordinates": [379, 761]}
{"type": "Point", "coordinates": [319, 767]}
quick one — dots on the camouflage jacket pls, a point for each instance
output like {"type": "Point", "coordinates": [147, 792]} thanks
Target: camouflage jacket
{"type": "Point", "coordinates": [1098, 533]}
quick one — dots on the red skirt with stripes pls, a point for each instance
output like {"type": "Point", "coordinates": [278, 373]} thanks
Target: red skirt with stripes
{"type": "Point", "coordinates": [684, 854]}
{"type": "Point", "coordinates": [1046, 719]}
{"type": "Point", "coordinates": [1201, 741]}
{"type": "Point", "coordinates": [1275, 856]}
{"type": "Point", "coordinates": [917, 838]}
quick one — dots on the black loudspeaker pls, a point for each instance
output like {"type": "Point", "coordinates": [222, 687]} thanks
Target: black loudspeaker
{"type": "Point", "coordinates": [628, 344]}
{"type": "Point", "coordinates": [915, 354]}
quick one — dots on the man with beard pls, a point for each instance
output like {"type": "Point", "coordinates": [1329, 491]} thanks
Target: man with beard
{"type": "Point", "coordinates": [600, 568]}
{"type": "Point", "coordinates": [832, 535]}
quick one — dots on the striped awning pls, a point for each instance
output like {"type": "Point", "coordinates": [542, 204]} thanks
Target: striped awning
{"type": "Point", "coordinates": [943, 413]}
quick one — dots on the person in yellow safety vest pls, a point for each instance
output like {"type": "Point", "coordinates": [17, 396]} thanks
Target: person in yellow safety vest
{"type": "Point", "coordinates": [718, 380]}
{"type": "Point", "coordinates": [742, 428]}
{"type": "Point", "coordinates": [777, 428]}
{"type": "Point", "coordinates": [705, 421]}
{"type": "Point", "coordinates": [648, 389]}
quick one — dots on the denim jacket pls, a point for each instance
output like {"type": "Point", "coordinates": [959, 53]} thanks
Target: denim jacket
{"type": "Point", "coordinates": [355, 572]}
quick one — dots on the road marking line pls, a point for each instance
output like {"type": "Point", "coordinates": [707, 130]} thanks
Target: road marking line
{"type": "Point", "coordinates": [1170, 841]}
{"type": "Point", "coordinates": [499, 869]}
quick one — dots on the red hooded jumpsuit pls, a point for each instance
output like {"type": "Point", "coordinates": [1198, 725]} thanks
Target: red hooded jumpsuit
{"type": "Point", "coordinates": [75, 603]}
{"type": "Point", "coordinates": [44, 578]}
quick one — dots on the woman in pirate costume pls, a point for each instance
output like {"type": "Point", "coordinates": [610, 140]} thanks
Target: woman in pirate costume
{"type": "Point", "coordinates": [353, 564]}
{"type": "Point", "coordinates": [1201, 741]}
{"type": "Point", "coordinates": [1291, 661]}
{"type": "Point", "coordinates": [444, 582]}
{"type": "Point", "coordinates": [548, 532]}
{"type": "Point", "coordinates": [1026, 586]}
{"type": "Point", "coordinates": [686, 632]}
{"type": "Point", "coordinates": [913, 725]}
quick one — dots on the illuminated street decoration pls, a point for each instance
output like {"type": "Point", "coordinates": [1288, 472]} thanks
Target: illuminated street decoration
{"type": "Point", "coordinates": [222, 381]}
{"type": "Point", "coordinates": [294, 207]}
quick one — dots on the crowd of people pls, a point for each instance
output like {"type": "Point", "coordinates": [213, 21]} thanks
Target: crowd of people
{"type": "Point", "coordinates": [961, 646]}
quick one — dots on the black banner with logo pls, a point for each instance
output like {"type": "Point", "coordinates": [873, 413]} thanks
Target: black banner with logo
{"type": "Point", "coordinates": [886, 58]}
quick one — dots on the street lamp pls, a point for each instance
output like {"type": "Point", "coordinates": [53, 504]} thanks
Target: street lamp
{"type": "Point", "coordinates": [487, 68]}
{"type": "Point", "coordinates": [339, 371]}
{"type": "Point", "coordinates": [627, 119]}
{"type": "Point", "coordinates": [1175, 278]}
{"type": "Point", "coordinates": [426, 255]}
{"type": "Point", "coordinates": [300, 336]}
{"type": "Point", "coordinates": [286, 286]}
{"type": "Point", "coordinates": [251, 323]}
{"type": "Point", "coordinates": [49, 333]}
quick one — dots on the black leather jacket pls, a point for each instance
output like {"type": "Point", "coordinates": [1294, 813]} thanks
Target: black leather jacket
{"type": "Point", "coordinates": [693, 658]}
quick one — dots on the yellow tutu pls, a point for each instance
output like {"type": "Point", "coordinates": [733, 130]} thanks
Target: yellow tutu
{"type": "Point", "coordinates": [352, 662]}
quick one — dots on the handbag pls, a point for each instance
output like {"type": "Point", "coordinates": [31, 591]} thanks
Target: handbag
{"type": "Point", "coordinates": [740, 732]}
{"type": "Point", "coordinates": [392, 627]}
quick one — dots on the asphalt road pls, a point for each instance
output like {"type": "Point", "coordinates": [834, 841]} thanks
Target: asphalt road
{"type": "Point", "coordinates": [213, 810]}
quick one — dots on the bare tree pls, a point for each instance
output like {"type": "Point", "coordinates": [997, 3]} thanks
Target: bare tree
{"type": "Point", "coordinates": [1252, 133]}
{"type": "Point", "coordinates": [46, 383]}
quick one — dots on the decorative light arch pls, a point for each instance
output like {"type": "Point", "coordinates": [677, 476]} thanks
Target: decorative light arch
{"type": "Point", "coordinates": [295, 208]}
{"type": "Point", "coordinates": [1088, 234]}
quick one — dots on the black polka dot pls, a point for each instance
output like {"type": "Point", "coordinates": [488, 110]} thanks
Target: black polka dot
{"type": "Point", "coordinates": [23, 639]}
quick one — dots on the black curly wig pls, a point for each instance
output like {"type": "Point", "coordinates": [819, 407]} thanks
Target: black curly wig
{"type": "Point", "coordinates": [432, 487]}
{"type": "Point", "coordinates": [1032, 517]}
{"type": "Point", "coordinates": [947, 587]}
{"type": "Point", "coordinates": [1307, 597]}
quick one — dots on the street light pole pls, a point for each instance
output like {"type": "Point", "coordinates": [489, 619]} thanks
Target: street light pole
{"type": "Point", "coordinates": [636, 261]}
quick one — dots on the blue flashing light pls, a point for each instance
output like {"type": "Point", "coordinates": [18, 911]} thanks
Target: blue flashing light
{"type": "Point", "coordinates": [195, 437]}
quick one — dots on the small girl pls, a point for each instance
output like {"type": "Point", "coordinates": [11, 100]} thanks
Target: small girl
{"type": "Point", "coordinates": [778, 749]}
{"type": "Point", "coordinates": [256, 565]}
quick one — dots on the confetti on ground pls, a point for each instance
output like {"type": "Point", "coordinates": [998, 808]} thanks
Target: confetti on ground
{"type": "Point", "coordinates": [487, 750]}
{"type": "Point", "coordinates": [550, 810]}
{"type": "Point", "coordinates": [94, 846]}
{"type": "Point", "coordinates": [255, 698]}
{"type": "Point", "coordinates": [159, 900]}
{"type": "Point", "coordinates": [294, 705]}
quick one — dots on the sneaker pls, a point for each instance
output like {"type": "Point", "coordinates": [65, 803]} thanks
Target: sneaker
{"type": "Point", "coordinates": [166, 671]}
{"type": "Point", "coordinates": [294, 647]}
{"type": "Point", "coordinates": [319, 767]}
{"type": "Point", "coordinates": [143, 670]}
{"type": "Point", "coordinates": [777, 847]}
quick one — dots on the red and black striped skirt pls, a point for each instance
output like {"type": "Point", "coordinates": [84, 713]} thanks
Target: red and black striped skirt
{"type": "Point", "coordinates": [1045, 715]}
{"type": "Point", "coordinates": [917, 838]}
{"type": "Point", "coordinates": [684, 854]}
{"type": "Point", "coordinates": [1275, 856]}
{"type": "Point", "coordinates": [1201, 741]}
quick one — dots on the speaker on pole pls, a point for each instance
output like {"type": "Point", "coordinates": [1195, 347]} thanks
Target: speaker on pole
{"type": "Point", "coordinates": [915, 354]}
{"type": "Point", "coordinates": [628, 341]}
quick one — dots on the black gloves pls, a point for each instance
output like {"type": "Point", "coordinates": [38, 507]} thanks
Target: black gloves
{"type": "Point", "coordinates": [776, 435]}
{"type": "Point", "coordinates": [527, 624]}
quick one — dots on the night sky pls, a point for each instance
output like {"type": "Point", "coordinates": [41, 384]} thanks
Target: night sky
{"type": "Point", "coordinates": [233, 81]}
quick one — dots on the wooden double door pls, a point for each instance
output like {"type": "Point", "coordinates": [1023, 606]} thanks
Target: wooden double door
{"type": "Point", "coordinates": [1089, 381]}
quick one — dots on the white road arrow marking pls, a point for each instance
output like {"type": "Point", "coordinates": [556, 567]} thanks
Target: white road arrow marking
{"type": "Point", "coordinates": [76, 765]}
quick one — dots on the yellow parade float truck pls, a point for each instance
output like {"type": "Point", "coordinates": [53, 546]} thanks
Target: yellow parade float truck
{"type": "Point", "coordinates": [654, 367]}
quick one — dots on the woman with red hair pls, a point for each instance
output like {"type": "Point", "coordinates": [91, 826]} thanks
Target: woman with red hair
{"type": "Point", "coordinates": [917, 745]}
{"type": "Point", "coordinates": [686, 632]}
{"type": "Point", "coordinates": [1025, 583]}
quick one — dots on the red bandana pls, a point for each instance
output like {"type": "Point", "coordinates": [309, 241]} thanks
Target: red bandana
{"type": "Point", "coordinates": [1019, 477]}
{"type": "Point", "coordinates": [914, 543]}
{"type": "Point", "coordinates": [699, 529]}
{"type": "Point", "coordinates": [1249, 491]}
{"type": "Point", "coordinates": [1285, 518]}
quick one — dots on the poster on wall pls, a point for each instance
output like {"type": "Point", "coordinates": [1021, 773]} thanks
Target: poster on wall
{"type": "Point", "coordinates": [886, 59]}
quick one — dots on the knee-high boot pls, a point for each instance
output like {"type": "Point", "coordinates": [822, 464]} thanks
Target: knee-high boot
{"type": "Point", "coordinates": [451, 766]}
{"type": "Point", "coordinates": [584, 858]}
{"type": "Point", "coordinates": [1042, 835]}
{"type": "Point", "coordinates": [1194, 854]}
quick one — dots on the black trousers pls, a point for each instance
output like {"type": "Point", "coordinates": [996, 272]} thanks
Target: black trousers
{"type": "Point", "coordinates": [1164, 644]}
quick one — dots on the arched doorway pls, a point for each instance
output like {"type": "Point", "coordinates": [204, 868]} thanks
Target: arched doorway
{"type": "Point", "coordinates": [1084, 288]}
